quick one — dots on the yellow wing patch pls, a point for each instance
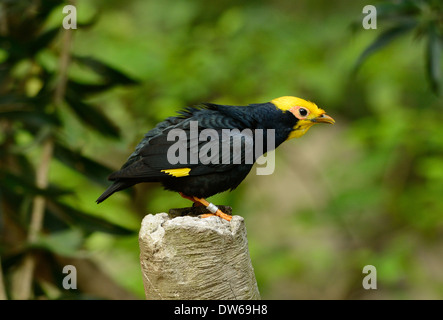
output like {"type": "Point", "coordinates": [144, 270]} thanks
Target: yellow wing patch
{"type": "Point", "coordinates": [182, 172]}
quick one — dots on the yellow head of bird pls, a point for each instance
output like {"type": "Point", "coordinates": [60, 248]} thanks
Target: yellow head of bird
{"type": "Point", "coordinates": [306, 112]}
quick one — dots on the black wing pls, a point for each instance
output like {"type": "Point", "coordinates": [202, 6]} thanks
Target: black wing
{"type": "Point", "coordinates": [221, 143]}
{"type": "Point", "coordinates": [149, 162]}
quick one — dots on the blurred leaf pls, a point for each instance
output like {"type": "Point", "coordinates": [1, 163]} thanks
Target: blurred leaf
{"type": "Point", "coordinates": [431, 168]}
{"type": "Point", "coordinates": [433, 58]}
{"type": "Point", "coordinates": [15, 101]}
{"type": "Point", "coordinates": [31, 118]}
{"type": "Point", "coordinates": [22, 164]}
{"type": "Point", "coordinates": [25, 185]}
{"type": "Point", "coordinates": [24, 50]}
{"type": "Point", "coordinates": [85, 221]}
{"type": "Point", "coordinates": [383, 40]}
{"type": "Point", "coordinates": [12, 101]}
{"type": "Point", "coordinates": [86, 88]}
{"type": "Point", "coordinates": [394, 11]}
{"type": "Point", "coordinates": [31, 111]}
{"type": "Point", "coordinates": [91, 115]}
{"type": "Point", "coordinates": [109, 74]}
{"type": "Point", "coordinates": [90, 23]}
{"type": "Point", "coordinates": [86, 166]}
{"type": "Point", "coordinates": [43, 40]}
{"type": "Point", "coordinates": [64, 243]}
{"type": "Point", "coordinates": [45, 8]}
{"type": "Point", "coordinates": [29, 66]}
{"type": "Point", "coordinates": [39, 137]}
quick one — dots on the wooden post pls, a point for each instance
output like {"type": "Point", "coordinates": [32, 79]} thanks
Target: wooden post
{"type": "Point", "coordinates": [191, 258]}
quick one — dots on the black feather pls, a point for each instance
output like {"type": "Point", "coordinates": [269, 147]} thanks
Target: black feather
{"type": "Point", "coordinates": [148, 160]}
{"type": "Point", "coordinates": [116, 186]}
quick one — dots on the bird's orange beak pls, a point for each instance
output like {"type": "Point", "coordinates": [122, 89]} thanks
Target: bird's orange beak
{"type": "Point", "coordinates": [323, 118]}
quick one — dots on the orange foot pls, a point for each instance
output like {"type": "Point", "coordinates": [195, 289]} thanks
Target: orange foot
{"type": "Point", "coordinates": [209, 206]}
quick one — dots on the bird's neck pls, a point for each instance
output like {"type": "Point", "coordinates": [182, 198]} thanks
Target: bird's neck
{"type": "Point", "coordinates": [267, 116]}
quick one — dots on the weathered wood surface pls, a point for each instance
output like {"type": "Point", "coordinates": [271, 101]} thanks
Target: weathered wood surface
{"type": "Point", "coordinates": [196, 258]}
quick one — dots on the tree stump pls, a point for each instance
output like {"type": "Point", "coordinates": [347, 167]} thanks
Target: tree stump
{"type": "Point", "coordinates": [190, 258]}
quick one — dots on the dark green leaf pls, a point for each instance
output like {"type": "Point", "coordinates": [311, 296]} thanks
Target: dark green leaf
{"type": "Point", "coordinates": [88, 167]}
{"type": "Point", "coordinates": [32, 118]}
{"type": "Point", "coordinates": [12, 101]}
{"type": "Point", "coordinates": [43, 40]}
{"type": "Point", "coordinates": [46, 7]}
{"type": "Point", "coordinates": [9, 258]}
{"type": "Point", "coordinates": [433, 59]}
{"type": "Point", "coordinates": [40, 136]}
{"type": "Point", "coordinates": [383, 40]}
{"type": "Point", "coordinates": [87, 89]}
{"type": "Point", "coordinates": [23, 50]}
{"type": "Point", "coordinates": [86, 221]}
{"type": "Point", "coordinates": [64, 243]}
{"type": "Point", "coordinates": [91, 115]}
{"type": "Point", "coordinates": [90, 23]}
{"type": "Point", "coordinates": [394, 11]}
{"type": "Point", "coordinates": [24, 184]}
{"type": "Point", "coordinates": [108, 73]}
{"type": "Point", "coordinates": [32, 112]}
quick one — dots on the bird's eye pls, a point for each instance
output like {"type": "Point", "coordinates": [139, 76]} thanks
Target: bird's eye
{"type": "Point", "coordinates": [303, 112]}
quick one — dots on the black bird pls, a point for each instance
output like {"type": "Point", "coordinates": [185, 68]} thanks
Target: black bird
{"type": "Point", "coordinates": [211, 148]}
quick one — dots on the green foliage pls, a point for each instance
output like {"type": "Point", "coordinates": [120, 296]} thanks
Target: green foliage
{"type": "Point", "coordinates": [424, 19]}
{"type": "Point", "coordinates": [31, 116]}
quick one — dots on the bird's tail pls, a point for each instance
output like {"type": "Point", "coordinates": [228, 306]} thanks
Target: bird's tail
{"type": "Point", "coordinates": [116, 186]}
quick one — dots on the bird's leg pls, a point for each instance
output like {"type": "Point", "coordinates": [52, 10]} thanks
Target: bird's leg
{"type": "Point", "coordinates": [186, 197]}
{"type": "Point", "coordinates": [196, 204]}
{"type": "Point", "coordinates": [216, 211]}
{"type": "Point", "coordinates": [203, 202]}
